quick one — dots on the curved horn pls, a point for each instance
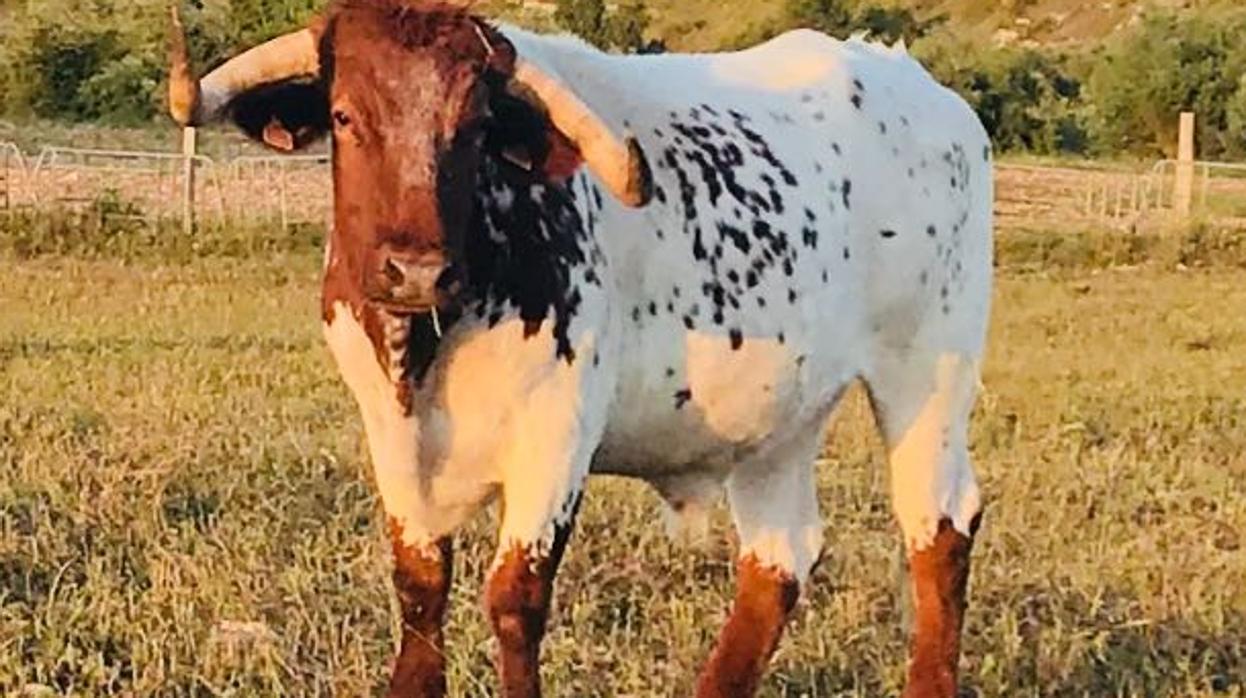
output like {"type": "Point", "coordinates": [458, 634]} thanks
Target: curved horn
{"type": "Point", "coordinates": [619, 163]}
{"type": "Point", "coordinates": [191, 102]}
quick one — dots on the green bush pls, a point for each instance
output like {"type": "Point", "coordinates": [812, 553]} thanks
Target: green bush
{"type": "Point", "coordinates": [884, 23]}
{"type": "Point", "coordinates": [104, 60]}
{"type": "Point", "coordinates": [1028, 100]}
{"type": "Point", "coordinates": [1172, 63]}
{"type": "Point", "coordinates": [623, 30]}
{"type": "Point", "coordinates": [112, 227]}
{"type": "Point", "coordinates": [842, 18]}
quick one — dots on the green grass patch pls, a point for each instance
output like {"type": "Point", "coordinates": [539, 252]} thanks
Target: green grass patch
{"type": "Point", "coordinates": [186, 507]}
{"type": "Point", "coordinates": [111, 228]}
{"type": "Point", "coordinates": [1077, 250]}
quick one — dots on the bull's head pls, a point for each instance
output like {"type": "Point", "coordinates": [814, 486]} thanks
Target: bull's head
{"type": "Point", "coordinates": [414, 94]}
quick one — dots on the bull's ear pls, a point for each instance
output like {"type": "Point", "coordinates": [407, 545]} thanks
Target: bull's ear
{"type": "Point", "coordinates": [285, 116]}
{"type": "Point", "coordinates": [522, 137]}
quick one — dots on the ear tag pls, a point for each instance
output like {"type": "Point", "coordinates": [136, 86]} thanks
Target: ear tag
{"type": "Point", "coordinates": [276, 136]}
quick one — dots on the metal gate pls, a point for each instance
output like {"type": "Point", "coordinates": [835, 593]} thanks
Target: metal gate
{"type": "Point", "coordinates": [122, 183]}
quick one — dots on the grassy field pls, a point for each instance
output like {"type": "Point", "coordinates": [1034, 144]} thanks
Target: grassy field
{"type": "Point", "coordinates": [185, 506]}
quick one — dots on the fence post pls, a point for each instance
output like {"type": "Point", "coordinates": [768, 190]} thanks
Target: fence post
{"type": "Point", "coordinates": [188, 180]}
{"type": "Point", "coordinates": [5, 203]}
{"type": "Point", "coordinates": [1183, 196]}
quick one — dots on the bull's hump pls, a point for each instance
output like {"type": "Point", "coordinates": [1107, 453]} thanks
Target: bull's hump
{"type": "Point", "coordinates": [794, 60]}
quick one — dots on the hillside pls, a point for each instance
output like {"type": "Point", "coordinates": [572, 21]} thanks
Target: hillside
{"type": "Point", "coordinates": [704, 24]}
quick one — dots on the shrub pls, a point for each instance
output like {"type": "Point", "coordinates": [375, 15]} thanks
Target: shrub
{"type": "Point", "coordinates": [104, 60]}
{"type": "Point", "coordinates": [623, 30]}
{"type": "Point", "coordinates": [842, 18]}
{"type": "Point", "coordinates": [1027, 100]}
{"type": "Point", "coordinates": [1172, 63]}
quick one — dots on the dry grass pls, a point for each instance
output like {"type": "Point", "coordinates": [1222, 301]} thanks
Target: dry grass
{"type": "Point", "coordinates": [185, 506]}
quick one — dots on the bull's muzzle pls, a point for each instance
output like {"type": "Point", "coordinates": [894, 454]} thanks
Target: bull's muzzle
{"type": "Point", "coordinates": [411, 282]}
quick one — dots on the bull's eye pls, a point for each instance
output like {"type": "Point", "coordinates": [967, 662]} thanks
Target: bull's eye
{"type": "Point", "coordinates": [341, 118]}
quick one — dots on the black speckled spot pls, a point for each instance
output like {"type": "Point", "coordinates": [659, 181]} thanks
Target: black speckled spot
{"type": "Point", "coordinates": [737, 338]}
{"type": "Point", "coordinates": [887, 234]}
{"type": "Point", "coordinates": [682, 397]}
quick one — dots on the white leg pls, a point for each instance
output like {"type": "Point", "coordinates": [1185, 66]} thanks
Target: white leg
{"type": "Point", "coordinates": [775, 507]}
{"type": "Point", "coordinates": [543, 472]}
{"type": "Point", "coordinates": [422, 552]}
{"type": "Point", "coordinates": [923, 408]}
{"type": "Point", "coordinates": [393, 434]}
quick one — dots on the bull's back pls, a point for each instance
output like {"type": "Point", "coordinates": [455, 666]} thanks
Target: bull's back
{"type": "Point", "coordinates": [797, 187]}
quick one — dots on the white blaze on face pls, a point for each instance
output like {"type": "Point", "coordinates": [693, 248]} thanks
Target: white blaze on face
{"type": "Point", "coordinates": [393, 438]}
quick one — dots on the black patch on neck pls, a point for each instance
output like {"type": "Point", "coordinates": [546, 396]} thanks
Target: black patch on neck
{"type": "Point", "coordinates": [422, 343]}
{"type": "Point", "coordinates": [526, 239]}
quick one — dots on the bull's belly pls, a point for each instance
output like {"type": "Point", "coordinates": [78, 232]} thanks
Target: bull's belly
{"type": "Point", "coordinates": [704, 407]}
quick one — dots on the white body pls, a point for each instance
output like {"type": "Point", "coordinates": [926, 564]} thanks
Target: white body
{"type": "Point", "coordinates": [894, 291]}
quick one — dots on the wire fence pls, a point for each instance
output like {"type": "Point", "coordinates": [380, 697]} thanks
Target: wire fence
{"type": "Point", "coordinates": [141, 185]}
{"type": "Point", "coordinates": [12, 175]}
{"type": "Point", "coordinates": [289, 191]}
{"type": "Point", "coordinates": [151, 186]}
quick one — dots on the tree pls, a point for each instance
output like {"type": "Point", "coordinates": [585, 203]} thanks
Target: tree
{"type": "Point", "coordinates": [842, 18]}
{"type": "Point", "coordinates": [627, 26]}
{"type": "Point", "coordinates": [1173, 63]}
{"type": "Point", "coordinates": [624, 30]}
{"type": "Point", "coordinates": [584, 18]}
{"type": "Point", "coordinates": [1026, 99]}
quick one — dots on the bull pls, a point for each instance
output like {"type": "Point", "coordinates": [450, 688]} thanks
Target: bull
{"type": "Point", "coordinates": [547, 262]}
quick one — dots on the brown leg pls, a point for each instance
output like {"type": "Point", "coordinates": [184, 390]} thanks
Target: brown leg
{"type": "Point", "coordinates": [764, 599]}
{"type": "Point", "coordinates": [422, 581]}
{"type": "Point", "coordinates": [517, 598]}
{"type": "Point", "coordinates": [940, 574]}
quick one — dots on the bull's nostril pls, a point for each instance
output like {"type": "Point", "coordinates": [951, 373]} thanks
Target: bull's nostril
{"type": "Point", "coordinates": [394, 272]}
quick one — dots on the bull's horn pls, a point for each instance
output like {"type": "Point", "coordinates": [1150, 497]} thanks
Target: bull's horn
{"type": "Point", "coordinates": [619, 163]}
{"type": "Point", "coordinates": [191, 102]}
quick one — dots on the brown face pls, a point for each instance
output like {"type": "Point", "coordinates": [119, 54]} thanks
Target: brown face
{"type": "Point", "coordinates": [409, 96]}
{"type": "Point", "coordinates": [415, 94]}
